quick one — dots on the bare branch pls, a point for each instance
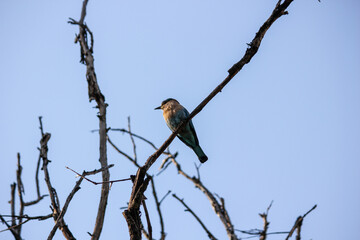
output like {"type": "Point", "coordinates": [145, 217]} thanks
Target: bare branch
{"type": "Point", "coordinates": [97, 171]}
{"type": "Point", "coordinates": [148, 234]}
{"type": "Point", "coordinates": [14, 233]}
{"type": "Point", "coordinates": [52, 192]}
{"type": "Point", "coordinates": [132, 214]}
{"type": "Point", "coordinates": [147, 220]}
{"type": "Point", "coordinates": [132, 140]}
{"type": "Point", "coordinates": [28, 218]}
{"type": "Point", "coordinates": [12, 204]}
{"type": "Point", "coordinates": [37, 177]}
{"type": "Point", "coordinates": [196, 217]}
{"type": "Point", "coordinates": [163, 198]}
{"type": "Point", "coordinates": [133, 134]}
{"type": "Point", "coordinates": [250, 52]}
{"type": "Point", "coordinates": [64, 209]}
{"type": "Point", "coordinates": [263, 234]}
{"type": "Point", "coordinates": [298, 224]}
{"type": "Point", "coordinates": [20, 188]}
{"type": "Point", "coordinates": [121, 152]}
{"type": "Point", "coordinates": [158, 203]}
{"type": "Point", "coordinates": [219, 209]}
{"type": "Point", "coordinates": [95, 94]}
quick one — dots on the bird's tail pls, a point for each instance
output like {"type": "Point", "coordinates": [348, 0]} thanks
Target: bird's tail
{"type": "Point", "coordinates": [201, 155]}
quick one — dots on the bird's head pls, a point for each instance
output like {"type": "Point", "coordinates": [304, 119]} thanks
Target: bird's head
{"type": "Point", "coordinates": [166, 103]}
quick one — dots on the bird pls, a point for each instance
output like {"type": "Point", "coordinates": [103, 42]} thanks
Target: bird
{"type": "Point", "coordinates": [174, 113]}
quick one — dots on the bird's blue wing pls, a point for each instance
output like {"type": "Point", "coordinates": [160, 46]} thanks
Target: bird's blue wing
{"type": "Point", "coordinates": [188, 136]}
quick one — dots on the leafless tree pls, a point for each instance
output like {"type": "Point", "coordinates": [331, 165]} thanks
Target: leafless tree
{"type": "Point", "coordinates": [141, 178]}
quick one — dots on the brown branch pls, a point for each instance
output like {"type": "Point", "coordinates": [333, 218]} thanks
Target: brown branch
{"type": "Point", "coordinates": [147, 220]}
{"type": "Point", "coordinates": [298, 224]}
{"type": "Point", "coordinates": [12, 204]}
{"type": "Point", "coordinates": [95, 94]}
{"type": "Point", "coordinates": [52, 192]}
{"type": "Point", "coordinates": [132, 213]}
{"type": "Point", "coordinates": [132, 140]}
{"type": "Point", "coordinates": [134, 135]}
{"type": "Point", "coordinates": [279, 10]}
{"type": "Point", "coordinates": [148, 234]}
{"type": "Point", "coordinates": [20, 188]}
{"type": "Point", "coordinates": [13, 219]}
{"type": "Point", "coordinates": [122, 153]}
{"type": "Point", "coordinates": [13, 231]}
{"type": "Point", "coordinates": [219, 208]}
{"type": "Point", "coordinates": [158, 203]}
{"type": "Point", "coordinates": [28, 218]}
{"type": "Point", "coordinates": [196, 217]}
{"type": "Point", "coordinates": [60, 217]}
{"type": "Point", "coordinates": [100, 170]}
{"type": "Point", "coordinates": [37, 177]}
{"type": "Point", "coordinates": [263, 234]}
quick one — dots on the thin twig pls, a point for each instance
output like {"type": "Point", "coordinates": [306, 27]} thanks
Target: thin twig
{"type": "Point", "coordinates": [163, 198]}
{"type": "Point", "coordinates": [121, 152]}
{"type": "Point", "coordinates": [147, 219]}
{"type": "Point", "coordinates": [37, 177]}
{"type": "Point", "coordinates": [134, 135]}
{"type": "Point", "coordinates": [132, 140]}
{"type": "Point", "coordinates": [158, 203]}
{"type": "Point", "coordinates": [100, 170]}
{"type": "Point", "coordinates": [219, 208]}
{"type": "Point", "coordinates": [21, 191]}
{"type": "Point", "coordinates": [210, 235]}
{"type": "Point", "coordinates": [28, 218]}
{"type": "Point", "coordinates": [298, 223]}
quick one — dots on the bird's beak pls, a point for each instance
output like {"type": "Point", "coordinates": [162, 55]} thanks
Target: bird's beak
{"type": "Point", "coordinates": [157, 108]}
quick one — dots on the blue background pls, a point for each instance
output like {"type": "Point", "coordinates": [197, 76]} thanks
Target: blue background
{"type": "Point", "coordinates": [286, 128]}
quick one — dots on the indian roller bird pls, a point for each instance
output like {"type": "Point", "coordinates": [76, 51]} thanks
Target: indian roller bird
{"type": "Point", "coordinates": [174, 113]}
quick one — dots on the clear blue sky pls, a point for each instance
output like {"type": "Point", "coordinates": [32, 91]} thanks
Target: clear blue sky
{"type": "Point", "coordinates": [287, 128]}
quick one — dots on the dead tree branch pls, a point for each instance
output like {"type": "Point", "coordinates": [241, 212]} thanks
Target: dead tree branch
{"type": "Point", "coordinates": [210, 235]}
{"type": "Point", "coordinates": [219, 208]}
{"type": "Point", "coordinates": [12, 202]}
{"type": "Point", "coordinates": [263, 234]}
{"type": "Point", "coordinates": [97, 171]}
{"type": "Point", "coordinates": [298, 224]}
{"type": "Point", "coordinates": [52, 192]}
{"type": "Point", "coordinates": [147, 220]}
{"type": "Point", "coordinates": [280, 10]}
{"type": "Point", "coordinates": [133, 160]}
{"type": "Point", "coordinates": [71, 195]}
{"type": "Point", "coordinates": [20, 188]}
{"type": "Point", "coordinates": [95, 94]}
{"type": "Point", "coordinates": [158, 203]}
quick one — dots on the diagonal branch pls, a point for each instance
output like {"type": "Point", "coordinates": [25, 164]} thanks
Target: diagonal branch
{"type": "Point", "coordinates": [219, 208]}
{"type": "Point", "coordinates": [298, 224]}
{"type": "Point", "coordinates": [196, 217]}
{"type": "Point", "coordinates": [280, 10]}
{"type": "Point", "coordinates": [70, 197]}
{"type": "Point", "coordinates": [13, 231]}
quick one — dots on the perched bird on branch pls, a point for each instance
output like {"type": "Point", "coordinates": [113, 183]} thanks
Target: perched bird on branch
{"type": "Point", "coordinates": [174, 113]}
